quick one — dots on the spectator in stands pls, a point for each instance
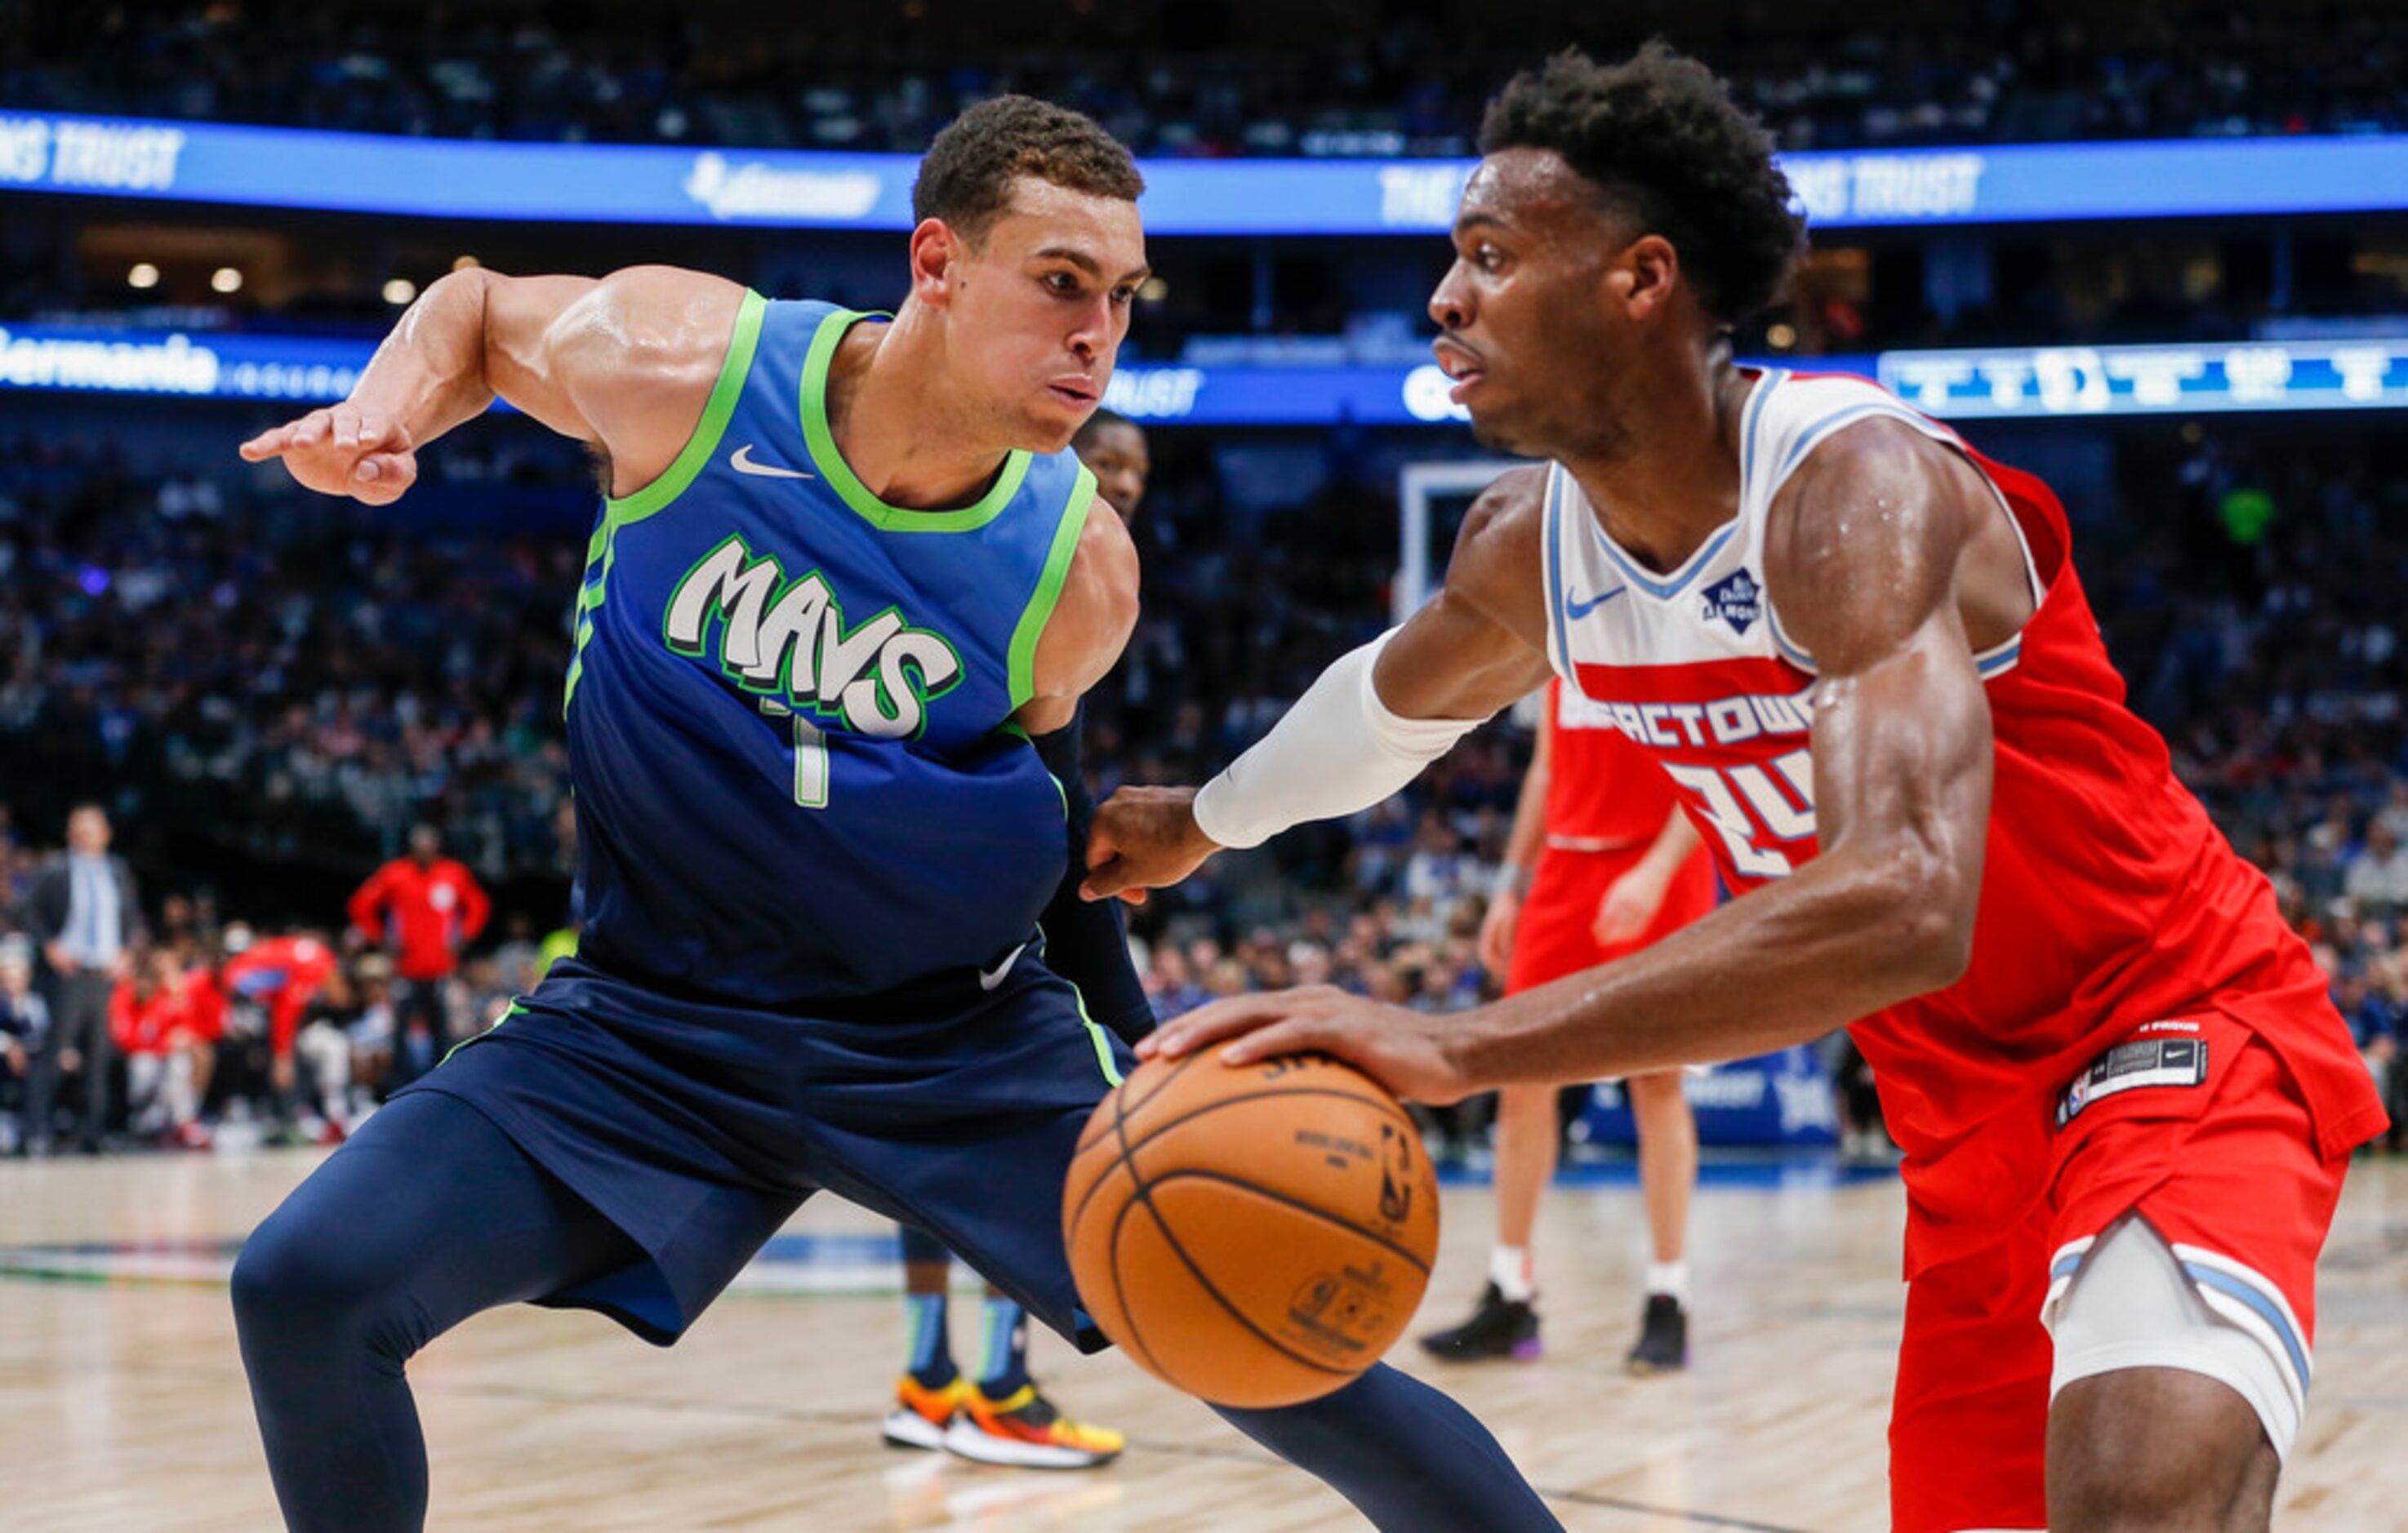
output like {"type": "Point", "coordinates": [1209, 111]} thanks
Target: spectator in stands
{"type": "Point", "coordinates": [168, 1049]}
{"type": "Point", "coordinates": [83, 910]}
{"type": "Point", "coordinates": [324, 1051]}
{"type": "Point", "coordinates": [24, 1020]}
{"type": "Point", "coordinates": [423, 910]}
{"type": "Point", "coordinates": [2376, 1020]}
{"type": "Point", "coordinates": [2377, 881]}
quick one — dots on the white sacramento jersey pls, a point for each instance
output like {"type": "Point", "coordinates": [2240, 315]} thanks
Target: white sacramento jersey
{"type": "Point", "coordinates": [1694, 664]}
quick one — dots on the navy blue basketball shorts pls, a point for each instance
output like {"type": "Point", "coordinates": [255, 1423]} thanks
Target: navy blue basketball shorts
{"type": "Point", "coordinates": [698, 1127]}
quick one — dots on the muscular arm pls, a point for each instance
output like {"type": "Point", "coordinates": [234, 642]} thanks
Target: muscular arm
{"type": "Point", "coordinates": [1862, 562]}
{"type": "Point", "coordinates": [1475, 647]}
{"type": "Point", "coordinates": [624, 363]}
{"type": "Point", "coordinates": [1091, 624]}
{"type": "Point", "coordinates": [1086, 942]}
{"type": "Point", "coordinates": [1480, 643]}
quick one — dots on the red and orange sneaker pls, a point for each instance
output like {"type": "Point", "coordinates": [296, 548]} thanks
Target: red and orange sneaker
{"type": "Point", "coordinates": [1023, 1428]}
{"type": "Point", "coordinates": [921, 1414]}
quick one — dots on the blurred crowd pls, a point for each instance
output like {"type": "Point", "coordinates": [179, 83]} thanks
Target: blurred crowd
{"type": "Point", "coordinates": [1384, 79]}
{"type": "Point", "coordinates": [289, 680]}
{"type": "Point", "coordinates": [239, 676]}
{"type": "Point", "coordinates": [185, 1029]}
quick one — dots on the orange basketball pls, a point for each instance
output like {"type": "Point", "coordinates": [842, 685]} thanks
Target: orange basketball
{"type": "Point", "coordinates": [1256, 1237]}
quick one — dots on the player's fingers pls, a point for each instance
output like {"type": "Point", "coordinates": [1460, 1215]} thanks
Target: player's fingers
{"type": "Point", "coordinates": [1108, 878]}
{"type": "Point", "coordinates": [345, 428]}
{"type": "Point", "coordinates": [1222, 1018]}
{"type": "Point", "coordinates": [380, 478]}
{"type": "Point", "coordinates": [1298, 1035]}
{"type": "Point", "coordinates": [1492, 946]}
{"type": "Point", "coordinates": [312, 428]}
{"type": "Point", "coordinates": [268, 444]}
{"type": "Point", "coordinates": [378, 435]}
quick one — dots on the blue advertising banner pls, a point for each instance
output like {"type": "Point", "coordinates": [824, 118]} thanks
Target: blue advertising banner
{"type": "Point", "coordinates": [2000, 383]}
{"type": "Point", "coordinates": [607, 183]}
{"type": "Point", "coordinates": [1782, 1098]}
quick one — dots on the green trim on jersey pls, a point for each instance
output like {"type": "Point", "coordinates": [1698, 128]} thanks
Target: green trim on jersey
{"type": "Point", "coordinates": [742, 341]}
{"type": "Point", "coordinates": [1040, 611]}
{"type": "Point", "coordinates": [519, 1011]}
{"type": "Point", "coordinates": [820, 438]}
{"type": "Point", "coordinates": [1095, 1034]}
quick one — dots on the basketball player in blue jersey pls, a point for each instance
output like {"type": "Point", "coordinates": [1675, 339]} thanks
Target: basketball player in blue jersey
{"type": "Point", "coordinates": [1001, 1416]}
{"type": "Point", "coordinates": [846, 569]}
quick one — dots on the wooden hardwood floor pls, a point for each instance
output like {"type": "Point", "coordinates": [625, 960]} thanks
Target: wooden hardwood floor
{"type": "Point", "coordinates": [123, 1405]}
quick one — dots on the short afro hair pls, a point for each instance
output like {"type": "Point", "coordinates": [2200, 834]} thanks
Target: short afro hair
{"type": "Point", "coordinates": [1661, 136]}
{"type": "Point", "coordinates": [965, 178]}
{"type": "Point", "coordinates": [1103, 420]}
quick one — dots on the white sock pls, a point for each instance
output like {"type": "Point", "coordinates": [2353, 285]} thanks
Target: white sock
{"type": "Point", "coordinates": [1670, 1279]}
{"type": "Point", "coordinates": [1509, 1268]}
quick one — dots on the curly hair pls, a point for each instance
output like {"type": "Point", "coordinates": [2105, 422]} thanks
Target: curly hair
{"type": "Point", "coordinates": [966, 174]}
{"type": "Point", "coordinates": [1661, 136]}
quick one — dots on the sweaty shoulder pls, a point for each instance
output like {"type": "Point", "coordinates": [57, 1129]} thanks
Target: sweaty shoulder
{"type": "Point", "coordinates": [642, 350]}
{"type": "Point", "coordinates": [1880, 522]}
{"type": "Point", "coordinates": [1497, 565]}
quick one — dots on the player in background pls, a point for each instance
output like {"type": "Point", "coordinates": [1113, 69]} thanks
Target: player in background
{"type": "Point", "coordinates": [1863, 653]}
{"type": "Point", "coordinates": [423, 909]}
{"type": "Point", "coordinates": [1601, 862]}
{"type": "Point", "coordinates": [847, 568]}
{"type": "Point", "coordinates": [1001, 1416]}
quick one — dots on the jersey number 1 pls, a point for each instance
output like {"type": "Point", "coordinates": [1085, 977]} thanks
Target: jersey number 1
{"type": "Point", "coordinates": [810, 764]}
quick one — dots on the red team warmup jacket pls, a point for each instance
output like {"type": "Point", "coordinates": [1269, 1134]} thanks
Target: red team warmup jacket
{"type": "Point", "coordinates": [424, 914]}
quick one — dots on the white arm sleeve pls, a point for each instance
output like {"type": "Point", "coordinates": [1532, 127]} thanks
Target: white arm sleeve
{"type": "Point", "coordinates": [1338, 750]}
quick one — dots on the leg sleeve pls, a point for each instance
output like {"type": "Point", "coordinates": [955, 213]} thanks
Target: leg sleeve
{"type": "Point", "coordinates": [1411, 1459]}
{"type": "Point", "coordinates": [429, 1215]}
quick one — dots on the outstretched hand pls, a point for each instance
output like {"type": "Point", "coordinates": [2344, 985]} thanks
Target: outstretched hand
{"type": "Point", "coordinates": [1143, 839]}
{"type": "Point", "coordinates": [341, 450]}
{"type": "Point", "coordinates": [1406, 1051]}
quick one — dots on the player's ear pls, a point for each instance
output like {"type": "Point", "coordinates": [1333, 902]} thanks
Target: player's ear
{"type": "Point", "coordinates": [937, 251]}
{"type": "Point", "coordinates": [1647, 269]}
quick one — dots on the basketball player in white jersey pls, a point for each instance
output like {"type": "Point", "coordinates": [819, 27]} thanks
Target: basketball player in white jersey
{"type": "Point", "coordinates": [1863, 653]}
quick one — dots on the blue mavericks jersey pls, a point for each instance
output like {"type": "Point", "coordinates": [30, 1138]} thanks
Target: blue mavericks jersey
{"type": "Point", "coordinates": [790, 711]}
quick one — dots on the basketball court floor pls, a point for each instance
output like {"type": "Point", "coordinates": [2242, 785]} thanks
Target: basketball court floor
{"type": "Point", "coordinates": [122, 1406]}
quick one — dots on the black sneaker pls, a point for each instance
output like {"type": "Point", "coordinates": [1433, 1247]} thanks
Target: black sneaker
{"type": "Point", "coordinates": [1499, 1327]}
{"type": "Point", "coordinates": [1663, 1338]}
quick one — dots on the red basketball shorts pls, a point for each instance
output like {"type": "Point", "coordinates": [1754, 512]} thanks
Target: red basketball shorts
{"type": "Point", "coordinates": [2191, 1125]}
{"type": "Point", "coordinates": [1558, 931]}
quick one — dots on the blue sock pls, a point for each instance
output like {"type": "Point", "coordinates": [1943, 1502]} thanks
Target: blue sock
{"type": "Point", "coordinates": [932, 1353]}
{"type": "Point", "coordinates": [1003, 1367]}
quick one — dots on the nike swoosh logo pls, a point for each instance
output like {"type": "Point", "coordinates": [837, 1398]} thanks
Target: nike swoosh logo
{"type": "Point", "coordinates": [742, 463]}
{"type": "Point", "coordinates": [989, 981]}
{"type": "Point", "coordinates": [1582, 608]}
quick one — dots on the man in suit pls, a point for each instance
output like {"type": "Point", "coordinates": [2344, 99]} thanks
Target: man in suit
{"type": "Point", "coordinates": [84, 913]}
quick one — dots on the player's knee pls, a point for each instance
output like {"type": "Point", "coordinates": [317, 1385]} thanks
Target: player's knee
{"type": "Point", "coordinates": [297, 1282]}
